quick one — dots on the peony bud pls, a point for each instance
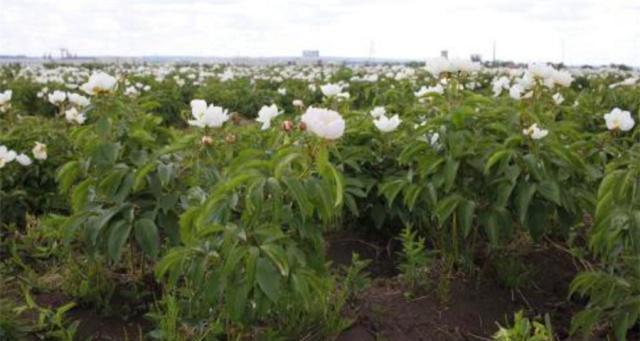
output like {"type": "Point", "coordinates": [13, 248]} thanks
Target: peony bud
{"type": "Point", "coordinates": [206, 140]}
{"type": "Point", "coordinates": [230, 138]}
{"type": "Point", "coordinates": [236, 119]}
{"type": "Point", "coordinates": [287, 126]}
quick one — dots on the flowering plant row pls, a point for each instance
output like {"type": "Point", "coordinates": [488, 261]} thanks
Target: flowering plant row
{"type": "Point", "coordinates": [222, 180]}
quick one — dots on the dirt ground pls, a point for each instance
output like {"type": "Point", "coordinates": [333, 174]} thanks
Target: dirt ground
{"type": "Point", "coordinates": [95, 327]}
{"type": "Point", "coordinates": [473, 307]}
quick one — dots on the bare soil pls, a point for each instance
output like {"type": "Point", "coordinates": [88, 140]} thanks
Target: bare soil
{"type": "Point", "coordinates": [95, 327]}
{"type": "Point", "coordinates": [473, 307]}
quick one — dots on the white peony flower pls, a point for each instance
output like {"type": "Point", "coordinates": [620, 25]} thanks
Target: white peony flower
{"type": "Point", "coordinates": [463, 65]}
{"type": "Point", "coordinates": [331, 90]}
{"type": "Point", "coordinates": [437, 89]}
{"type": "Point", "coordinates": [343, 96]}
{"type": "Point", "coordinates": [534, 132]}
{"type": "Point", "coordinates": [549, 75]}
{"type": "Point", "coordinates": [527, 81]}
{"type": "Point", "coordinates": [386, 125]}
{"type": "Point", "coordinates": [57, 97]}
{"type": "Point", "coordinates": [99, 82]}
{"type": "Point", "coordinates": [6, 156]}
{"type": "Point", "coordinates": [433, 139]}
{"type": "Point", "coordinates": [297, 103]}
{"type": "Point", "coordinates": [72, 115]}
{"type": "Point", "coordinates": [131, 91]}
{"type": "Point", "coordinates": [24, 160]}
{"type": "Point", "coordinates": [78, 100]}
{"type": "Point", "coordinates": [558, 98]}
{"type": "Point", "coordinates": [500, 84]}
{"type": "Point", "coordinates": [40, 151]}
{"type": "Point", "coordinates": [626, 82]}
{"type": "Point", "coordinates": [540, 70]}
{"type": "Point", "coordinates": [377, 112]}
{"type": "Point", "coordinates": [198, 107]}
{"type": "Point", "coordinates": [5, 100]}
{"type": "Point", "coordinates": [5, 97]}
{"type": "Point", "coordinates": [619, 120]}
{"type": "Point", "coordinates": [371, 78]}
{"type": "Point", "coordinates": [516, 91]}
{"type": "Point", "coordinates": [266, 114]}
{"type": "Point", "coordinates": [282, 91]}
{"type": "Point", "coordinates": [325, 123]}
{"type": "Point", "coordinates": [210, 116]}
{"type": "Point", "coordinates": [562, 78]}
{"type": "Point", "coordinates": [438, 65]}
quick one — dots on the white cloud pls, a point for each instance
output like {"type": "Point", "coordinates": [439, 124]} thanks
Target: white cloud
{"type": "Point", "coordinates": [593, 31]}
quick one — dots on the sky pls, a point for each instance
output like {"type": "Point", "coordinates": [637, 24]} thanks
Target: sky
{"type": "Point", "coordinates": [572, 31]}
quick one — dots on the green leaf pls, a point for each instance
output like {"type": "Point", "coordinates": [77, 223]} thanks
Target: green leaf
{"type": "Point", "coordinates": [526, 191]}
{"type": "Point", "coordinates": [278, 256]}
{"type": "Point", "coordinates": [536, 220]}
{"type": "Point", "coordinates": [67, 175]}
{"type": "Point", "coordinates": [103, 127]}
{"type": "Point", "coordinates": [284, 163]}
{"type": "Point", "coordinates": [124, 189]}
{"type": "Point", "coordinates": [238, 297]}
{"type": "Point", "coordinates": [411, 195]}
{"type": "Point", "coordinates": [110, 182]}
{"type": "Point", "coordinates": [146, 234]}
{"type": "Point", "coordinates": [450, 173]}
{"type": "Point", "coordinates": [170, 261]}
{"type": "Point", "coordinates": [609, 182]}
{"type": "Point", "coordinates": [165, 173]}
{"type": "Point", "coordinates": [339, 182]}
{"type": "Point", "coordinates": [550, 190]}
{"type": "Point", "coordinates": [296, 188]}
{"type": "Point", "coordinates": [498, 156]}
{"type": "Point", "coordinates": [621, 325]}
{"type": "Point", "coordinates": [187, 224]}
{"type": "Point", "coordinates": [446, 206]}
{"type": "Point", "coordinates": [268, 278]}
{"type": "Point", "coordinates": [80, 195]}
{"type": "Point", "coordinates": [466, 210]}
{"type": "Point", "coordinates": [533, 166]}
{"type": "Point", "coordinates": [118, 235]}
{"type": "Point", "coordinates": [627, 184]}
{"type": "Point", "coordinates": [70, 226]}
{"type": "Point", "coordinates": [141, 175]}
{"type": "Point", "coordinates": [95, 224]}
{"type": "Point", "coordinates": [391, 189]}
{"type": "Point", "coordinates": [105, 154]}
{"type": "Point", "coordinates": [492, 228]}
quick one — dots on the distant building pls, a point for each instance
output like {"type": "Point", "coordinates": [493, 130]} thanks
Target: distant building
{"type": "Point", "coordinates": [444, 54]}
{"type": "Point", "coordinates": [476, 58]}
{"type": "Point", "coordinates": [310, 54]}
{"type": "Point", "coordinates": [17, 56]}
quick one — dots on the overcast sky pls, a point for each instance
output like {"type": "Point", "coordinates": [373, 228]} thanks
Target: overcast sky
{"type": "Point", "coordinates": [591, 31]}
